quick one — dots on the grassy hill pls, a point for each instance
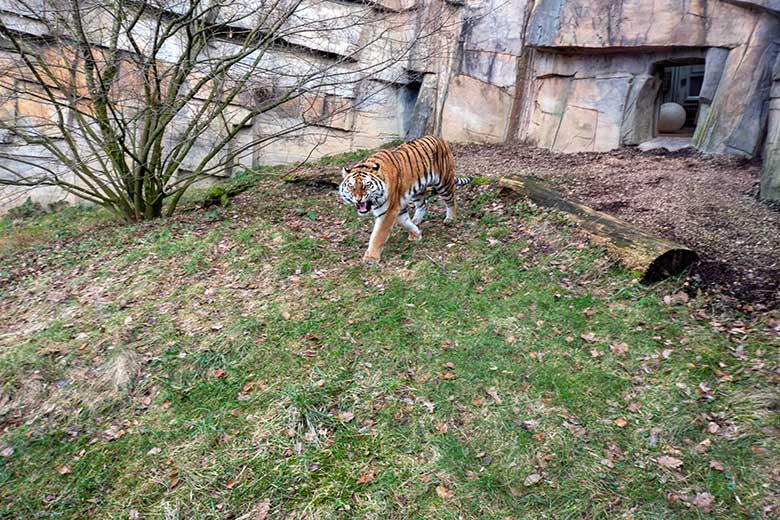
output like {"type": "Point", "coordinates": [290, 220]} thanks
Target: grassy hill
{"type": "Point", "coordinates": [239, 362]}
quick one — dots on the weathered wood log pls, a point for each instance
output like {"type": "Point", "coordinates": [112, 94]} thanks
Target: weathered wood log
{"type": "Point", "coordinates": [328, 177]}
{"type": "Point", "coordinates": [656, 258]}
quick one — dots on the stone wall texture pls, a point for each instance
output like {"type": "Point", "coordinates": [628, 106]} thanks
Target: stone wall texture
{"type": "Point", "coordinates": [568, 75]}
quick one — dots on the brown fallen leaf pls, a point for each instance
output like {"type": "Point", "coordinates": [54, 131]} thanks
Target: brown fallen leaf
{"type": "Point", "coordinates": [704, 501]}
{"type": "Point", "coordinates": [232, 484]}
{"type": "Point", "coordinates": [620, 422]}
{"type": "Point", "coordinates": [619, 348]}
{"type": "Point", "coordinates": [703, 446]}
{"type": "Point", "coordinates": [112, 434]}
{"type": "Point", "coordinates": [218, 374]}
{"type": "Point", "coordinates": [530, 425]}
{"type": "Point", "coordinates": [64, 470]}
{"type": "Point", "coordinates": [425, 478]}
{"type": "Point", "coordinates": [634, 406]}
{"type": "Point", "coordinates": [261, 510]}
{"type": "Point", "coordinates": [366, 478]}
{"type": "Point", "coordinates": [673, 299]}
{"type": "Point", "coordinates": [575, 429]}
{"type": "Point", "coordinates": [443, 492]}
{"type": "Point", "coordinates": [174, 480]}
{"type": "Point", "coordinates": [759, 450]}
{"type": "Point", "coordinates": [447, 375]}
{"type": "Point", "coordinates": [717, 465]}
{"type": "Point", "coordinates": [442, 427]}
{"type": "Point", "coordinates": [669, 462]}
{"type": "Point", "coordinates": [346, 416]}
{"type": "Point", "coordinates": [589, 337]}
{"type": "Point", "coordinates": [722, 375]}
{"type": "Point", "coordinates": [533, 478]}
{"type": "Point", "coordinates": [286, 316]}
{"type": "Point", "coordinates": [494, 395]}
{"type": "Point", "coordinates": [7, 452]}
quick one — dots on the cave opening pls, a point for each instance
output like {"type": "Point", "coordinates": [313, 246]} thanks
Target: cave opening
{"type": "Point", "coordinates": [678, 103]}
{"type": "Point", "coordinates": [409, 93]}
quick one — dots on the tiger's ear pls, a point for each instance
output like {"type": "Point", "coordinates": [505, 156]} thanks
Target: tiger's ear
{"type": "Point", "coordinates": [375, 166]}
{"type": "Point", "coordinates": [344, 172]}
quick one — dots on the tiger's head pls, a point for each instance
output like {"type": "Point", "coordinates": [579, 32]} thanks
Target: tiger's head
{"type": "Point", "coordinates": [364, 186]}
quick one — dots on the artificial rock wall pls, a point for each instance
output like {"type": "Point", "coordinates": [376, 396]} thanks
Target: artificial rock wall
{"type": "Point", "coordinates": [587, 74]}
{"type": "Point", "coordinates": [568, 75]}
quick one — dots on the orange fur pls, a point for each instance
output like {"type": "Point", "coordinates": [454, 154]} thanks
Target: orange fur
{"type": "Point", "coordinates": [387, 181]}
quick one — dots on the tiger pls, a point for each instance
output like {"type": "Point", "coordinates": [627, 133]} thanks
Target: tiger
{"type": "Point", "coordinates": [386, 182]}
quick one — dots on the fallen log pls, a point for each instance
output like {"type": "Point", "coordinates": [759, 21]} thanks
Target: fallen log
{"type": "Point", "coordinates": [656, 258]}
{"type": "Point", "coordinates": [330, 177]}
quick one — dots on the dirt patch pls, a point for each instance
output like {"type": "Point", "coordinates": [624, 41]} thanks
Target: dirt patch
{"type": "Point", "coordinates": [705, 202]}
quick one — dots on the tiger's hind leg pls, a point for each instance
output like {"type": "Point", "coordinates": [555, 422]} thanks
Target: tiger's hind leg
{"type": "Point", "coordinates": [447, 193]}
{"type": "Point", "coordinates": [419, 208]}
{"type": "Point", "coordinates": [414, 232]}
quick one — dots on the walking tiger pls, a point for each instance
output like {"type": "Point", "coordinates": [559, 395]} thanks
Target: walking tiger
{"type": "Point", "coordinates": [386, 182]}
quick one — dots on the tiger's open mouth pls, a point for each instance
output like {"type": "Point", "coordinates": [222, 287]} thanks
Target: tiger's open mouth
{"type": "Point", "coordinates": [363, 207]}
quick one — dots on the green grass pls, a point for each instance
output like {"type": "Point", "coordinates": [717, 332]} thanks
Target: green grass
{"type": "Point", "coordinates": [197, 367]}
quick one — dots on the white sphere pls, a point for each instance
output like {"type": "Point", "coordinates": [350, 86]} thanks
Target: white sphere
{"type": "Point", "coordinates": [671, 117]}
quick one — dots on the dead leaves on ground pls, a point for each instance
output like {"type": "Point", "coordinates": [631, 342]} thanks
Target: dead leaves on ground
{"type": "Point", "coordinates": [619, 349]}
{"type": "Point", "coordinates": [443, 492]}
{"type": "Point", "coordinates": [346, 416]}
{"type": "Point", "coordinates": [533, 478]}
{"type": "Point", "coordinates": [260, 511]}
{"type": "Point", "coordinates": [667, 461]}
{"type": "Point", "coordinates": [704, 501]}
{"type": "Point", "coordinates": [366, 478]}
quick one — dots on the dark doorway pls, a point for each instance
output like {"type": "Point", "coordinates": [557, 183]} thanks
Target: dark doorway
{"type": "Point", "coordinates": [408, 99]}
{"type": "Point", "coordinates": [681, 84]}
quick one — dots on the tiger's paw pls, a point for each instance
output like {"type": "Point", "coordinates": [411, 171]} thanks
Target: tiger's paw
{"type": "Point", "coordinates": [415, 238]}
{"type": "Point", "coordinates": [370, 261]}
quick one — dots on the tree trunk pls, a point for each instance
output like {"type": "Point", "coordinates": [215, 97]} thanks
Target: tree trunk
{"type": "Point", "coordinates": [329, 177]}
{"type": "Point", "coordinates": [655, 258]}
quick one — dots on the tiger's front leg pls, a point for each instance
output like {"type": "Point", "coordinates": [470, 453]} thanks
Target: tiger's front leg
{"type": "Point", "coordinates": [414, 232]}
{"type": "Point", "coordinates": [382, 227]}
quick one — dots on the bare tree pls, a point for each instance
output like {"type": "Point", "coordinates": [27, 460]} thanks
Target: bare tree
{"type": "Point", "coordinates": [127, 103]}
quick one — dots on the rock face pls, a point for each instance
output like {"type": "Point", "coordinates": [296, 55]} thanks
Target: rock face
{"type": "Point", "coordinates": [466, 121]}
{"type": "Point", "coordinates": [770, 180]}
{"type": "Point", "coordinates": [568, 75]}
{"type": "Point", "coordinates": [597, 67]}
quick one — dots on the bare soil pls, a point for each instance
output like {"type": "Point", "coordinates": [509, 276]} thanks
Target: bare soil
{"type": "Point", "coordinates": [705, 202]}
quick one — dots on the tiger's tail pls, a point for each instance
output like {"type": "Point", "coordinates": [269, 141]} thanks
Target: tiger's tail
{"type": "Point", "coordinates": [462, 181]}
